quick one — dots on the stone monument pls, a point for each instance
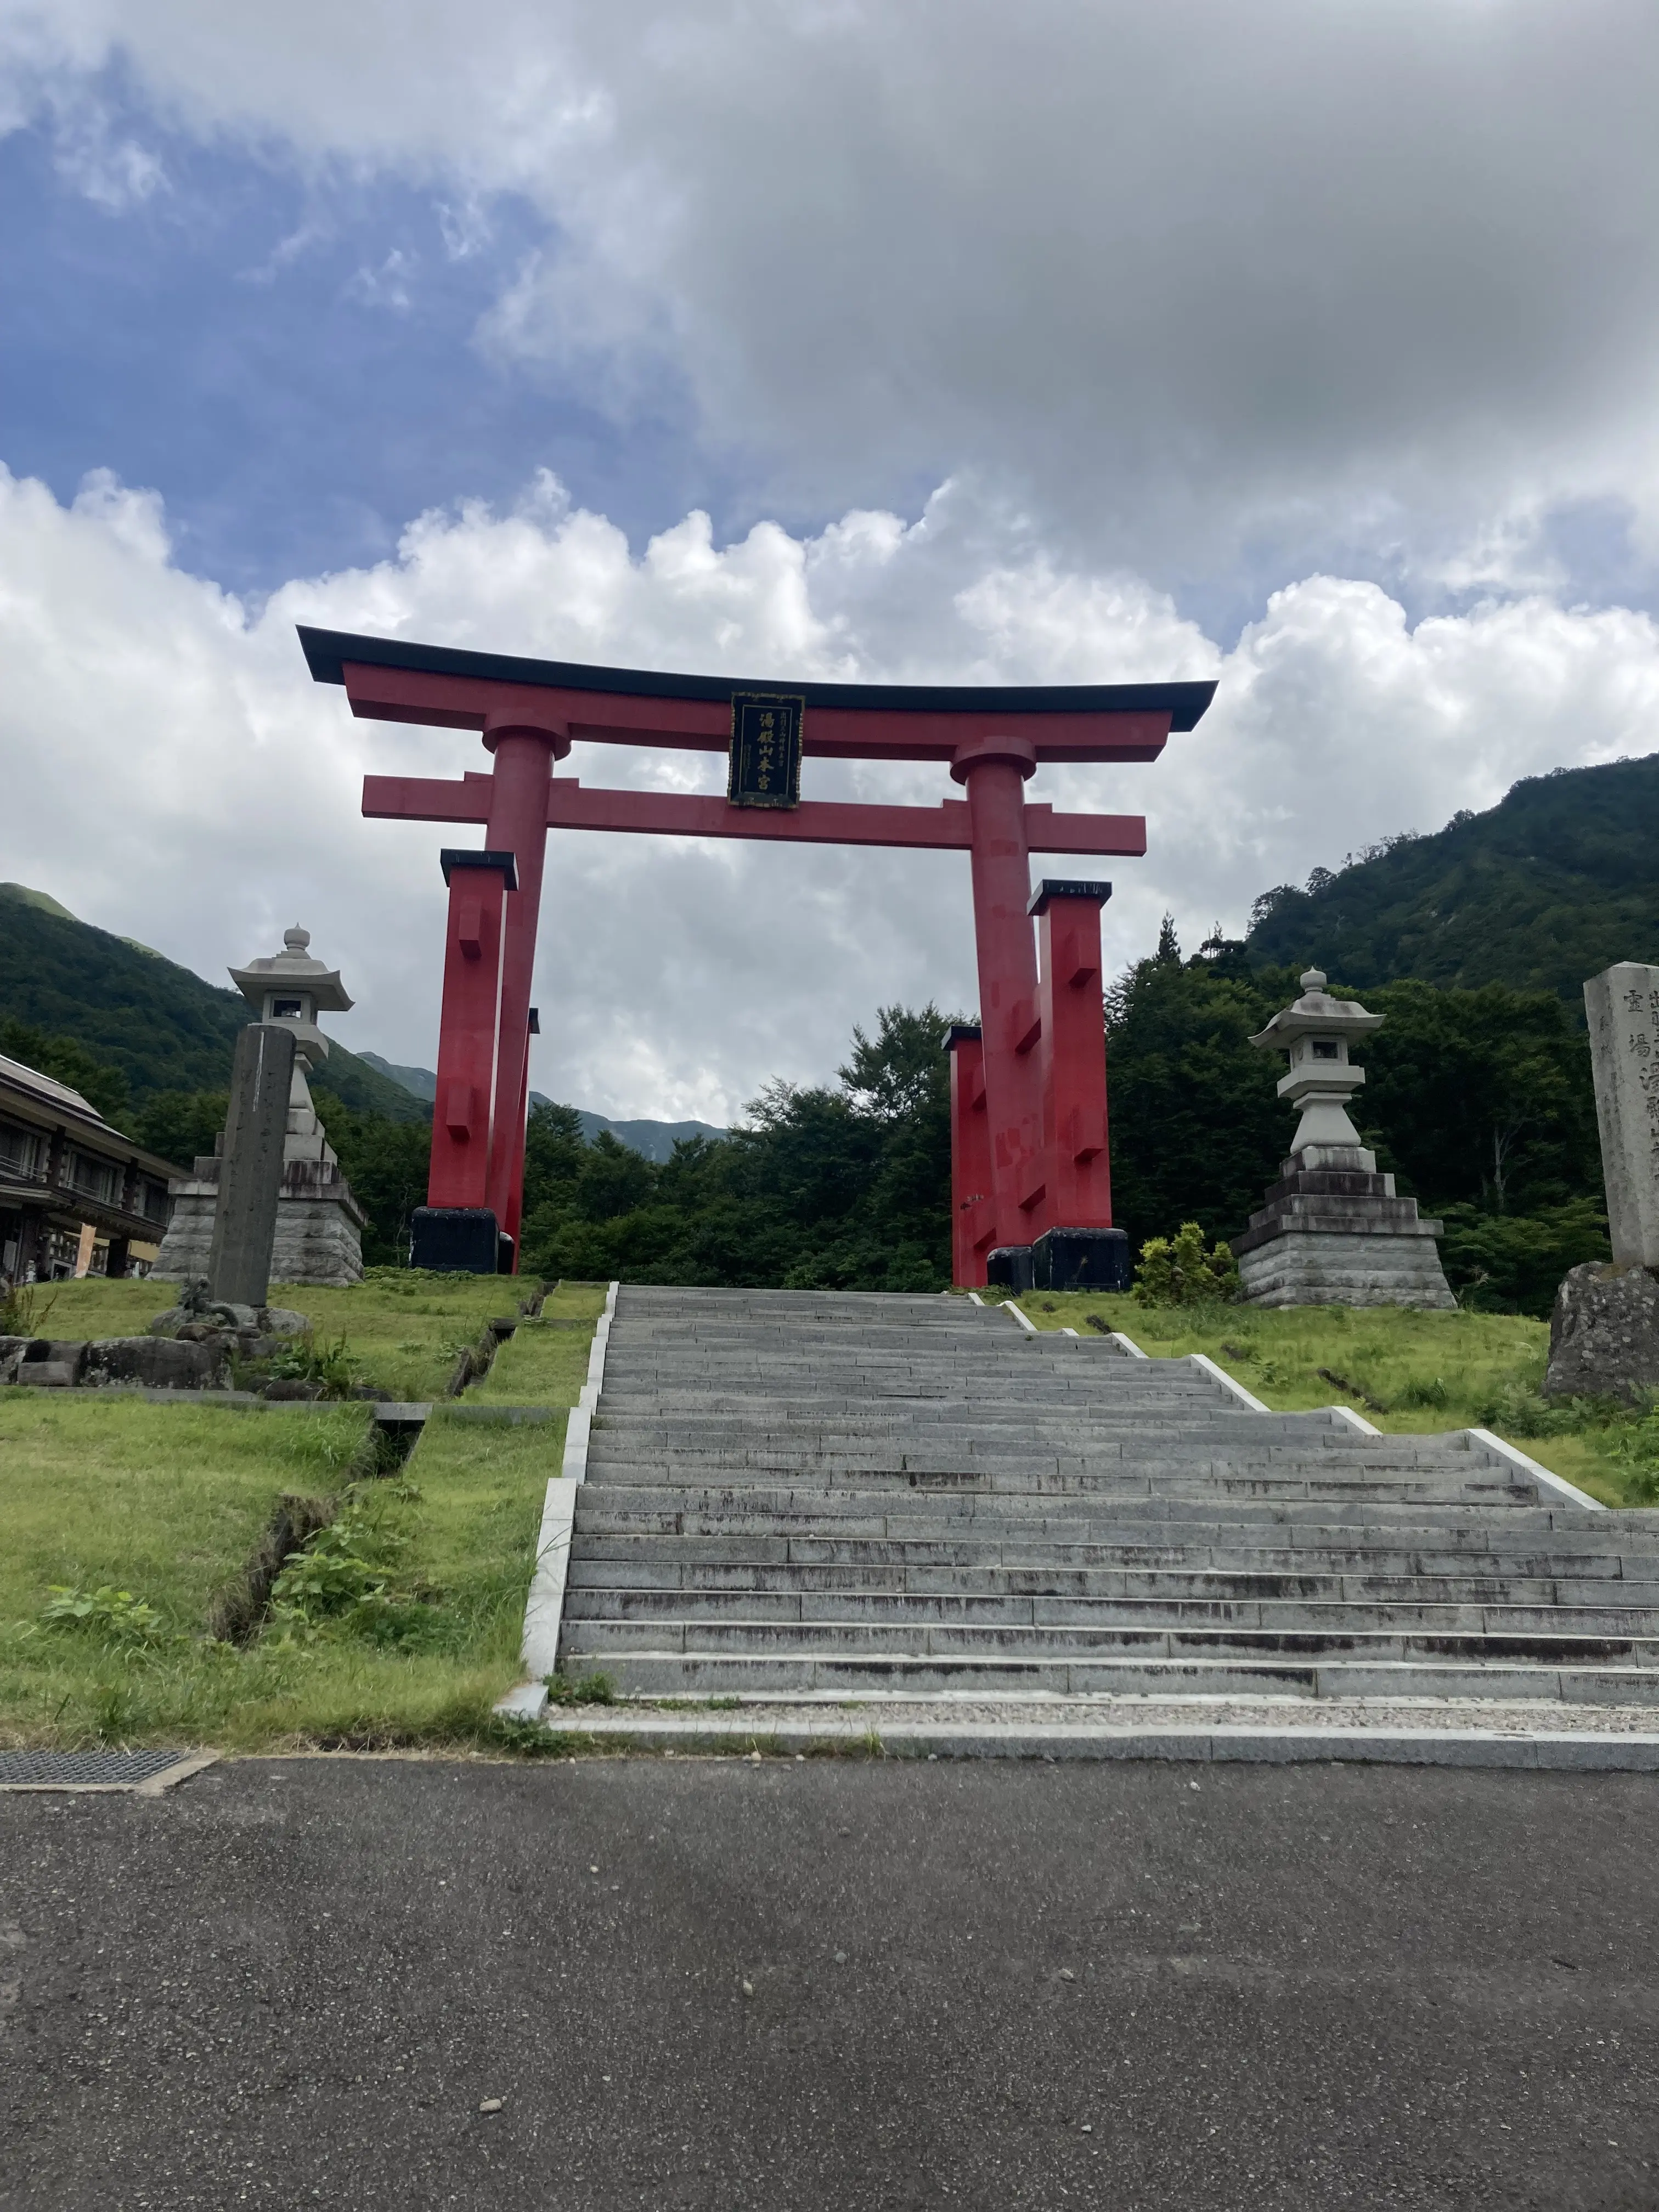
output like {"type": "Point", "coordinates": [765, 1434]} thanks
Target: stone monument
{"type": "Point", "coordinates": [1604, 1331]}
{"type": "Point", "coordinates": [250, 1165]}
{"type": "Point", "coordinates": [1333, 1232]}
{"type": "Point", "coordinates": [319, 1223]}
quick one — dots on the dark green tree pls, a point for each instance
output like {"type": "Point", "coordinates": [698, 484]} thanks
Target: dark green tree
{"type": "Point", "coordinates": [386, 1163]}
{"type": "Point", "coordinates": [1479, 1101]}
{"type": "Point", "coordinates": [844, 1188]}
{"type": "Point", "coordinates": [182, 1126]}
{"type": "Point", "coordinates": [67, 1061]}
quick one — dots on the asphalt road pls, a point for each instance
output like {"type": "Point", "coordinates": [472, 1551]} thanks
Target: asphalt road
{"type": "Point", "coordinates": [296, 1983]}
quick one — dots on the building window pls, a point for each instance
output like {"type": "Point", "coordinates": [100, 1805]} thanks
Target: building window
{"type": "Point", "coordinates": [95, 1178]}
{"type": "Point", "coordinates": [153, 1200]}
{"type": "Point", "coordinates": [19, 1151]}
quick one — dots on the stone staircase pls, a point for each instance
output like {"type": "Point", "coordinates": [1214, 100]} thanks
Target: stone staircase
{"type": "Point", "coordinates": [812, 1494]}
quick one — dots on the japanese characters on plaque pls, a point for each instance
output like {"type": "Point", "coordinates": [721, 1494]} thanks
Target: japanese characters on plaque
{"type": "Point", "coordinates": [1622, 1007]}
{"type": "Point", "coordinates": [1641, 1028]}
{"type": "Point", "coordinates": [767, 728]}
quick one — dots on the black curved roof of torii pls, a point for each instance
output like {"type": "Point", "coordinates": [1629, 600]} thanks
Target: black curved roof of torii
{"type": "Point", "coordinates": [326, 652]}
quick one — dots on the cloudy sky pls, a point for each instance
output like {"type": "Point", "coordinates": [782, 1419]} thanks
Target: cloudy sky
{"type": "Point", "coordinates": [1313, 345]}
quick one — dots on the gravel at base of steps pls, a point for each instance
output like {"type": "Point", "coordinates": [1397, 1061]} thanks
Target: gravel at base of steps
{"type": "Point", "coordinates": [1450, 1732]}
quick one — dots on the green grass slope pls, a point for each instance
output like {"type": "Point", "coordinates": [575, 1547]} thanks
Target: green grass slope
{"type": "Point", "coordinates": [169, 1502]}
{"type": "Point", "coordinates": [1552, 886]}
{"type": "Point", "coordinates": [159, 1024]}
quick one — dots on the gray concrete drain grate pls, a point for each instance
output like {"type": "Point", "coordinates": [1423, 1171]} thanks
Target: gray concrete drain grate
{"type": "Point", "coordinates": [114, 1769]}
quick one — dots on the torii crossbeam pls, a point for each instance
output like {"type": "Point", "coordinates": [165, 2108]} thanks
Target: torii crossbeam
{"type": "Point", "coordinates": [1027, 1124]}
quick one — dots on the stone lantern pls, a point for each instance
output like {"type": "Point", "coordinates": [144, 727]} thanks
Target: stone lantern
{"type": "Point", "coordinates": [319, 1223]}
{"type": "Point", "coordinates": [293, 989]}
{"type": "Point", "coordinates": [1332, 1231]}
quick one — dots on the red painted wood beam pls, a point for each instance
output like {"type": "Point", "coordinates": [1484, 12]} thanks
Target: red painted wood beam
{"type": "Point", "coordinates": [467, 702]}
{"type": "Point", "coordinates": [944, 827]}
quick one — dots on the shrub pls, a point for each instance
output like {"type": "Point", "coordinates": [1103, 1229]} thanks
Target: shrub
{"type": "Point", "coordinates": [1177, 1271]}
{"type": "Point", "coordinates": [116, 1619]}
{"type": "Point", "coordinates": [302, 1359]}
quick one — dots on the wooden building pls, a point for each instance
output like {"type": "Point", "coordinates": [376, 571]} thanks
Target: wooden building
{"type": "Point", "coordinates": [64, 1171]}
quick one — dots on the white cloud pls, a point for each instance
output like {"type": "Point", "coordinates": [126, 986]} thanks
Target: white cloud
{"type": "Point", "coordinates": [1197, 279]}
{"type": "Point", "coordinates": [172, 773]}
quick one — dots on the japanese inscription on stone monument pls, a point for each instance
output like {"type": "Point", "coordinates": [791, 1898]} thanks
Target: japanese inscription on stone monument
{"type": "Point", "coordinates": [1622, 1004]}
{"type": "Point", "coordinates": [766, 743]}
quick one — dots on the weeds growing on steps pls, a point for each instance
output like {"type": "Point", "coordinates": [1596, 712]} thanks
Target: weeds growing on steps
{"type": "Point", "coordinates": [581, 1690]}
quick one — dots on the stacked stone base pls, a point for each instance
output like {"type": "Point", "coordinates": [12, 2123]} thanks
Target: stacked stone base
{"type": "Point", "coordinates": [1312, 1269]}
{"type": "Point", "coordinates": [319, 1228]}
{"type": "Point", "coordinates": [1331, 1236]}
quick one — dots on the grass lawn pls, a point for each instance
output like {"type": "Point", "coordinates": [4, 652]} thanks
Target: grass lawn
{"type": "Point", "coordinates": [545, 1362]}
{"type": "Point", "coordinates": [169, 1501]}
{"type": "Point", "coordinates": [1406, 1371]}
{"type": "Point", "coordinates": [405, 1330]}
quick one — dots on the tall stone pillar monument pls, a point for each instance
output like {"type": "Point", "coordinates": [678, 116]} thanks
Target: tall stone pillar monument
{"type": "Point", "coordinates": [250, 1165]}
{"type": "Point", "coordinates": [318, 1237]}
{"type": "Point", "coordinates": [1604, 1332]}
{"type": "Point", "coordinates": [1622, 1006]}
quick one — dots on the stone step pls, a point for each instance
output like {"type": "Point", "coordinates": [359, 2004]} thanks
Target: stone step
{"type": "Point", "coordinates": [735, 1510]}
{"type": "Point", "coordinates": [872, 1484]}
{"type": "Point", "coordinates": [1117, 1584]}
{"type": "Point", "coordinates": [611, 1460]}
{"type": "Point", "coordinates": [817, 1490]}
{"type": "Point", "coordinates": [990, 1641]}
{"type": "Point", "coordinates": [1385, 1558]}
{"type": "Point", "coordinates": [699, 1609]}
{"type": "Point", "coordinates": [651, 1674]}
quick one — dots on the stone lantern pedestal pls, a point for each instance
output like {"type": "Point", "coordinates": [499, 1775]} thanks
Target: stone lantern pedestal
{"type": "Point", "coordinates": [1332, 1231]}
{"type": "Point", "coordinates": [319, 1223]}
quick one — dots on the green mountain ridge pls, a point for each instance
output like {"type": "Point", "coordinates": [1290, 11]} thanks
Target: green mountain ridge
{"type": "Point", "coordinates": [1547, 888]}
{"type": "Point", "coordinates": [160, 1025]}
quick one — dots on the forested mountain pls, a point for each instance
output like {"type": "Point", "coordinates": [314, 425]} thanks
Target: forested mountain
{"type": "Point", "coordinates": [152, 1025]}
{"type": "Point", "coordinates": [655, 1140]}
{"type": "Point", "coordinates": [1552, 886]}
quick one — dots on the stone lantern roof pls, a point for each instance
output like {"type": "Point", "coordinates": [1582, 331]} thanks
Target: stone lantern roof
{"type": "Point", "coordinates": [293, 988]}
{"type": "Point", "coordinates": [1315, 1031]}
{"type": "Point", "coordinates": [1317, 1012]}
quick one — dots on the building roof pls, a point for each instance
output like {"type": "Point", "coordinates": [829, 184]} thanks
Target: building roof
{"type": "Point", "coordinates": [327, 651]}
{"type": "Point", "coordinates": [50, 1098]}
{"type": "Point", "coordinates": [49, 1092]}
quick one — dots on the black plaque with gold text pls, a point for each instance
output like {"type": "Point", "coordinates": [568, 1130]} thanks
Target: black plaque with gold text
{"type": "Point", "coordinates": [766, 740]}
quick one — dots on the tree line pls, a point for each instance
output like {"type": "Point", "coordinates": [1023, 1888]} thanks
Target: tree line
{"type": "Point", "coordinates": [1479, 1102]}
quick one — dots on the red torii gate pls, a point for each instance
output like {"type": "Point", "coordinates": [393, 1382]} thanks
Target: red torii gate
{"type": "Point", "coordinates": [1029, 1137]}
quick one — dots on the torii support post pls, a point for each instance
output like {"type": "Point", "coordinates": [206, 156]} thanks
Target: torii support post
{"type": "Point", "coordinates": [458, 1228]}
{"type": "Point", "coordinates": [994, 770]}
{"type": "Point", "coordinates": [973, 1214]}
{"type": "Point", "coordinates": [530, 712]}
{"type": "Point", "coordinates": [1075, 1246]}
{"type": "Point", "coordinates": [525, 744]}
